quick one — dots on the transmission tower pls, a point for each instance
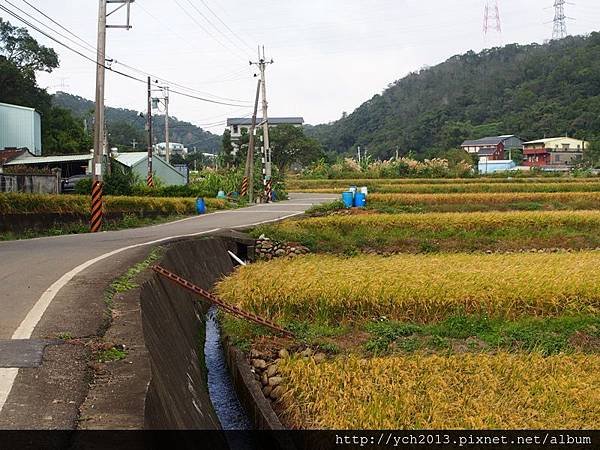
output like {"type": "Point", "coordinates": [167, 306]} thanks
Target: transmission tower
{"type": "Point", "coordinates": [491, 17]}
{"type": "Point", "coordinates": [560, 20]}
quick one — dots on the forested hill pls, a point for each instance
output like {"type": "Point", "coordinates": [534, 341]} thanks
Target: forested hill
{"type": "Point", "coordinates": [125, 125]}
{"type": "Point", "coordinates": [529, 90]}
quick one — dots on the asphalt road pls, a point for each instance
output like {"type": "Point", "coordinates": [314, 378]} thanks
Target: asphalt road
{"type": "Point", "coordinates": [31, 270]}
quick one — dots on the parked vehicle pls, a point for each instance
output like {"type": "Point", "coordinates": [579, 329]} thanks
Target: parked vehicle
{"type": "Point", "coordinates": [68, 184]}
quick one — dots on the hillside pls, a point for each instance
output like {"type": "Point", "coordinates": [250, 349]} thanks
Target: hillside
{"type": "Point", "coordinates": [529, 90]}
{"type": "Point", "coordinates": [125, 125]}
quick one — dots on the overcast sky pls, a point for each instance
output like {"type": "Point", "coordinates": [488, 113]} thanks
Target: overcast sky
{"type": "Point", "coordinates": [330, 55]}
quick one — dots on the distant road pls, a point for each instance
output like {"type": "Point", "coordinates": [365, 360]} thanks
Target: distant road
{"type": "Point", "coordinates": [31, 270]}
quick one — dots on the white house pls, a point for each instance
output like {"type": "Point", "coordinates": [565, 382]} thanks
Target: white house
{"type": "Point", "coordinates": [241, 125]}
{"type": "Point", "coordinates": [175, 148]}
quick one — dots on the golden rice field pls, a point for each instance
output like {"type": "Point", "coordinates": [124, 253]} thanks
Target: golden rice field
{"type": "Point", "coordinates": [502, 200]}
{"type": "Point", "coordinates": [531, 221]}
{"type": "Point", "coordinates": [418, 288]}
{"type": "Point", "coordinates": [298, 183]}
{"type": "Point", "coordinates": [434, 232]}
{"type": "Point", "coordinates": [440, 188]}
{"type": "Point", "coordinates": [484, 391]}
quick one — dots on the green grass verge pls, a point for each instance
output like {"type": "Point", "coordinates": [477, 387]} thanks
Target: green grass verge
{"type": "Point", "coordinates": [18, 203]}
{"type": "Point", "coordinates": [128, 221]}
{"type": "Point", "coordinates": [479, 333]}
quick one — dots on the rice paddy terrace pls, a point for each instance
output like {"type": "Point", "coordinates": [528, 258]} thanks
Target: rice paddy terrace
{"type": "Point", "coordinates": [443, 304]}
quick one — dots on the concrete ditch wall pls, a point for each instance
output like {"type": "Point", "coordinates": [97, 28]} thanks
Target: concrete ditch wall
{"type": "Point", "coordinates": [173, 323]}
{"type": "Point", "coordinates": [174, 327]}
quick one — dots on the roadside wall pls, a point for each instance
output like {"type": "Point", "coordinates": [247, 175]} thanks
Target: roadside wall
{"type": "Point", "coordinates": [31, 184]}
{"type": "Point", "coordinates": [173, 323]}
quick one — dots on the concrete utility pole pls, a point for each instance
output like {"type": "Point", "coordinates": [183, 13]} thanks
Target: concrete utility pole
{"type": "Point", "coordinates": [250, 155]}
{"type": "Point", "coordinates": [262, 65]}
{"type": "Point", "coordinates": [100, 76]}
{"type": "Point", "coordinates": [167, 148]}
{"type": "Point", "coordinates": [149, 178]}
{"type": "Point", "coordinates": [99, 125]}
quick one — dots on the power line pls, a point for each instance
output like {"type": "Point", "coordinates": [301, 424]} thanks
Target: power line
{"type": "Point", "coordinates": [226, 26]}
{"type": "Point", "coordinates": [202, 27]}
{"type": "Point", "coordinates": [142, 72]}
{"type": "Point", "coordinates": [31, 25]}
{"type": "Point", "coordinates": [58, 24]}
{"type": "Point", "coordinates": [34, 27]}
{"type": "Point", "coordinates": [216, 28]}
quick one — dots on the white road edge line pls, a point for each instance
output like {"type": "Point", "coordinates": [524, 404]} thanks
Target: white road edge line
{"type": "Point", "coordinates": [25, 329]}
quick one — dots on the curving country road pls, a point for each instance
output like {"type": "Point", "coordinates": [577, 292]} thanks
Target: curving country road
{"type": "Point", "coordinates": [33, 272]}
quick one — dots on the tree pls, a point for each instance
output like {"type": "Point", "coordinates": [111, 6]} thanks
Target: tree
{"type": "Point", "coordinates": [591, 155]}
{"type": "Point", "coordinates": [227, 156]}
{"type": "Point", "coordinates": [63, 134]}
{"type": "Point", "coordinates": [19, 48]}
{"type": "Point", "coordinates": [20, 57]}
{"type": "Point", "coordinates": [289, 145]}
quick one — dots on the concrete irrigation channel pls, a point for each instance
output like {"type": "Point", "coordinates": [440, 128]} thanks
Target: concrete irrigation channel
{"type": "Point", "coordinates": [198, 380]}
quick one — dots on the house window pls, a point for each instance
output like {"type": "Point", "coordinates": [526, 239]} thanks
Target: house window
{"type": "Point", "coordinates": [235, 129]}
{"type": "Point", "coordinates": [556, 158]}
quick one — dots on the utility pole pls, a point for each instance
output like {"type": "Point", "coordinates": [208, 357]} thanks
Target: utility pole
{"type": "Point", "coordinates": [99, 126]}
{"type": "Point", "coordinates": [359, 154]}
{"type": "Point", "coordinates": [262, 65]}
{"type": "Point", "coordinates": [149, 179]}
{"type": "Point", "coordinates": [250, 155]}
{"type": "Point", "coordinates": [167, 149]}
{"type": "Point", "coordinates": [96, 216]}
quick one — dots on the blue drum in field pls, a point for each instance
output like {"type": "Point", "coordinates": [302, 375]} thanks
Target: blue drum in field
{"type": "Point", "coordinates": [200, 206]}
{"type": "Point", "coordinates": [348, 199]}
{"type": "Point", "coordinates": [360, 200]}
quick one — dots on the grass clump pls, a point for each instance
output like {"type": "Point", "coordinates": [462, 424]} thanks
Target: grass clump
{"type": "Point", "coordinates": [111, 354]}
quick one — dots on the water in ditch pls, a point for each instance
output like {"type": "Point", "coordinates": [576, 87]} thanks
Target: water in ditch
{"type": "Point", "coordinates": [220, 386]}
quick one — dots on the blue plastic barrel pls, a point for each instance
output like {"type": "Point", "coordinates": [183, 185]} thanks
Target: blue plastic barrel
{"type": "Point", "coordinates": [360, 200]}
{"type": "Point", "coordinates": [347, 198]}
{"type": "Point", "coordinates": [200, 206]}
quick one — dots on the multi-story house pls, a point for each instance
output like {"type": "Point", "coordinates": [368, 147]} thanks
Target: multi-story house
{"type": "Point", "coordinates": [553, 153]}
